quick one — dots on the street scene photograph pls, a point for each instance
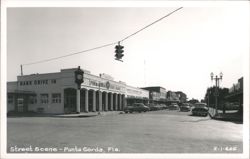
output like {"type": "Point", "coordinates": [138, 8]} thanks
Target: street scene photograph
{"type": "Point", "coordinates": [119, 80]}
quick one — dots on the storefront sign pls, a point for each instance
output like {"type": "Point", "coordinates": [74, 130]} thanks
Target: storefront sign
{"type": "Point", "coordinates": [106, 85]}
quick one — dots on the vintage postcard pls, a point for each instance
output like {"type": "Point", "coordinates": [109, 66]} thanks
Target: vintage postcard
{"type": "Point", "coordinates": [123, 79]}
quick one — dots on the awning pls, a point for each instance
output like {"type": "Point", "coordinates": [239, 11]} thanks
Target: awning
{"type": "Point", "coordinates": [22, 92]}
{"type": "Point", "coordinates": [235, 95]}
{"type": "Point", "coordinates": [133, 97]}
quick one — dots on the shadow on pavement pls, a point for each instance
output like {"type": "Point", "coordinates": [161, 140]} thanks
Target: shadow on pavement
{"type": "Point", "coordinates": [236, 117]}
{"type": "Point", "coordinates": [39, 115]}
{"type": "Point", "coordinates": [199, 120]}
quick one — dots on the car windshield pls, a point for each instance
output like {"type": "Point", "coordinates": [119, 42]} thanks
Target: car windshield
{"type": "Point", "coordinates": [200, 105]}
{"type": "Point", "coordinates": [200, 109]}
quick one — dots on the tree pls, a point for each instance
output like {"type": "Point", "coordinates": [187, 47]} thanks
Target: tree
{"type": "Point", "coordinates": [210, 97]}
{"type": "Point", "coordinates": [193, 101]}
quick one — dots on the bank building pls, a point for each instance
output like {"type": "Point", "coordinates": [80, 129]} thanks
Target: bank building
{"type": "Point", "coordinates": [59, 93]}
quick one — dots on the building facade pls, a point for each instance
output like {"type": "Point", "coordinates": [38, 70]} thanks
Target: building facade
{"type": "Point", "coordinates": [182, 96]}
{"type": "Point", "coordinates": [57, 93]}
{"type": "Point", "coordinates": [236, 94]}
{"type": "Point", "coordinates": [157, 95]}
{"type": "Point", "coordinates": [172, 97]}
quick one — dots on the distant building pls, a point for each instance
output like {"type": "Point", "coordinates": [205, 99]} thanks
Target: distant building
{"type": "Point", "coordinates": [157, 94]}
{"type": "Point", "coordinates": [172, 97]}
{"type": "Point", "coordinates": [182, 96]}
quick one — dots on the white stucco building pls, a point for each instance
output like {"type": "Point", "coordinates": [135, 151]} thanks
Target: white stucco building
{"type": "Point", "coordinates": [56, 93]}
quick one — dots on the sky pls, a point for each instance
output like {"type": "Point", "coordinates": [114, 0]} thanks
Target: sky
{"type": "Point", "coordinates": [177, 53]}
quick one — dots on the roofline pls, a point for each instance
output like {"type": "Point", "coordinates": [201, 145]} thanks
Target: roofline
{"type": "Point", "coordinates": [153, 87]}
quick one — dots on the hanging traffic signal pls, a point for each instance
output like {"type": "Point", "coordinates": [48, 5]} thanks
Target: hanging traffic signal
{"type": "Point", "coordinates": [118, 52]}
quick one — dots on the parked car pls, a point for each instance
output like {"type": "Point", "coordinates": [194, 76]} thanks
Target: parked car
{"type": "Point", "coordinates": [200, 109]}
{"type": "Point", "coordinates": [173, 107]}
{"type": "Point", "coordinates": [136, 107]}
{"type": "Point", "coordinates": [152, 107]}
{"type": "Point", "coordinates": [159, 107]}
{"type": "Point", "coordinates": [162, 106]}
{"type": "Point", "coordinates": [185, 107]}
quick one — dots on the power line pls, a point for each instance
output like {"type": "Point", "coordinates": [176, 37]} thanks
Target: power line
{"type": "Point", "coordinates": [99, 47]}
{"type": "Point", "coordinates": [55, 58]}
{"type": "Point", "coordinates": [151, 24]}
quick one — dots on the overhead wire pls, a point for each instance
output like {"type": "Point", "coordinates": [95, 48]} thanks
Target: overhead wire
{"type": "Point", "coordinates": [151, 24]}
{"type": "Point", "coordinates": [106, 45]}
{"type": "Point", "coordinates": [55, 58]}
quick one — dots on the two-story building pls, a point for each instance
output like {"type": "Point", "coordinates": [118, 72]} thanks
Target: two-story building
{"type": "Point", "coordinates": [172, 97]}
{"type": "Point", "coordinates": [57, 93]}
{"type": "Point", "coordinates": [235, 94]}
{"type": "Point", "coordinates": [157, 94]}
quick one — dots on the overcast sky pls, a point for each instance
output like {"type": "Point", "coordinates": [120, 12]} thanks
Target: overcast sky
{"type": "Point", "coordinates": [177, 53]}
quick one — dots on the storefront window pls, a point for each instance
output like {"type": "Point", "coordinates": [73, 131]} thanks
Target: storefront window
{"type": "Point", "coordinates": [33, 100]}
{"type": "Point", "coordinates": [53, 81]}
{"type": "Point", "coordinates": [10, 99]}
{"type": "Point", "coordinates": [44, 98]}
{"type": "Point", "coordinates": [56, 98]}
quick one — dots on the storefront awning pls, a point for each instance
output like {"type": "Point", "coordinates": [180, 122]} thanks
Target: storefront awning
{"type": "Point", "coordinates": [235, 96]}
{"type": "Point", "coordinates": [19, 92]}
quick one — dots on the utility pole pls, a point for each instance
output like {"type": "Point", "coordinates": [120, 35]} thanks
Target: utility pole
{"type": "Point", "coordinates": [21, 70]}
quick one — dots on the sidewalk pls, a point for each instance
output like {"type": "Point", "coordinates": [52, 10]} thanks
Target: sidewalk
{"type": "Point", "coordinates": [228, 116]}
{"type": "Point", "coordinates": [89, 114]}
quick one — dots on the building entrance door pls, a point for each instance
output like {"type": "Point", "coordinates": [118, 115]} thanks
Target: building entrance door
{"type": "Point", "coordinates": [69, 100]}
{"type": "Point", "coordinates": [20, 104]}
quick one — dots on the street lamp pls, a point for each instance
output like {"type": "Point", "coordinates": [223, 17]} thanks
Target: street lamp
{"type": "Point", "coordinates": [216, 93]}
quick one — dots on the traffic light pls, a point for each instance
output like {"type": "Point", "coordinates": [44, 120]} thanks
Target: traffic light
{"type": "Point", "coordinates": [119, 50]}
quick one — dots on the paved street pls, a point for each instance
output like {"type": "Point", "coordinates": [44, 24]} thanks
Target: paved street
{"type": "Point", "coordinates": [152, 132]}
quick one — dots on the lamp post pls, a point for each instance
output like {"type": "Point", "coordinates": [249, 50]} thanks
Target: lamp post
{"type": "Point", "coordinates": [217, 85]}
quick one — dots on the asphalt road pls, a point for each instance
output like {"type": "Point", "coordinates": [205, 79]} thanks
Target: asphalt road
{"type": "Point", "coordinates": [151, 132]}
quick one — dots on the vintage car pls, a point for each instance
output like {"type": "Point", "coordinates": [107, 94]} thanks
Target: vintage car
{"type": "Point", "coordinates": [185, 107]}
{"type": "Point", "coordinates": [200, 109]}
{"type": "Point", "coordinates": [153, 107]}
{"type": "Point", "coordinates": [173, 106]}
{"type": "Point", "coordinates": [136, 107]}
